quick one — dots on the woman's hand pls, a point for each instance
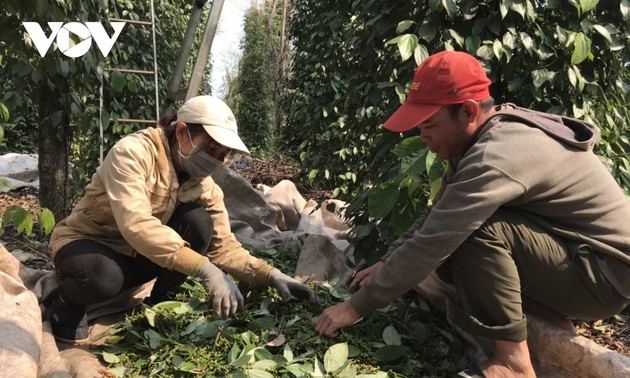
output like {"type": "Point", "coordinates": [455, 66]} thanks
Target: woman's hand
{"type": "Point", "coordinates": [289, 287]}
{"type": "Point", "coordinates": [226, 298]}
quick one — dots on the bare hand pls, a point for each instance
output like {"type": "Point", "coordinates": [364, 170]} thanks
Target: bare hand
{"type": "Point", "coordinates": [336, 317]}
{"type": "Point", "coordinates": [362, 275]}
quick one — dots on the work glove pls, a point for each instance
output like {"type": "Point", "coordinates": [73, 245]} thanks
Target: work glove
{"type": "Point", "coordinates": [289, 287]}
{"type": "Point", "coordinates": [226, 298]}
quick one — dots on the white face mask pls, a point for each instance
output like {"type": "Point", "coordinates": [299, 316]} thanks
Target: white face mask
{"type": "Point", "coordinates": [197, 163]}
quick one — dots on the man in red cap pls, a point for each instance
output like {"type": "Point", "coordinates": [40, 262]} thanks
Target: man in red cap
{"type": "Point", "coordinates": [527, 215]}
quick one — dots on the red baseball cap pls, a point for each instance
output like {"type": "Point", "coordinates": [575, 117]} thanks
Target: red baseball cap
{"type": "Point", "coordinates": [445, 78]}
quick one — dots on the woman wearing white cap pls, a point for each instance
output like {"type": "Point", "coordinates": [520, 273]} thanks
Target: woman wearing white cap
{"type": "Point", "coordinates": [151, 211]}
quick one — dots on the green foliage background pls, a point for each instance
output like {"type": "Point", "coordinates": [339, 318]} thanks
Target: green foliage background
{"type": "Point", "coordinates": [253, 108]}
{"type": "Point", "coordinates": [354, 59]}
{"type": "Point", "coordinates": [76, 83]}
{"type": "Point", "coordinates": [256, 89]}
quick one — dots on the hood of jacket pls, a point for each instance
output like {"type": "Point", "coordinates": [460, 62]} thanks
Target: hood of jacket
{"type": "Point", "coordinates": [572, 131]}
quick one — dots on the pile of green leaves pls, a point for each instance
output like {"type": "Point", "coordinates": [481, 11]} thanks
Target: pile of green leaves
{"type": "Point", "coordinates": [273, 338]}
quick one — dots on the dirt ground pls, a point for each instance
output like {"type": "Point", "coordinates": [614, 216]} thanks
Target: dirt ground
{"type": "Point", "coordinates": [34, 252]}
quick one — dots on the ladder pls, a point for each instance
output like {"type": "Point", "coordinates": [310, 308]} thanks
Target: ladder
{"type": "Point", "coordinates": [201, 61]}
{"type": "Point", "coordinates": [153, 72]}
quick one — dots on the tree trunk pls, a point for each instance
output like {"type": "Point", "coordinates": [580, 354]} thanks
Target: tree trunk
{"type": "Point", "coordinates": [54, 136]}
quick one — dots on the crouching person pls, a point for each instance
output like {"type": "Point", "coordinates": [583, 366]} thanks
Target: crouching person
{"type": "Point", "coordinates": [153, 211]}
{"type": "Point", "coordinates": [527, 215]}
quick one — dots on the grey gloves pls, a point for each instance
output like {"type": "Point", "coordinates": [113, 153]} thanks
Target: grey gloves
{"type": "Point", "coordinates": [226, 298]}
{"type": "Point", "coordinates": [289, 287]}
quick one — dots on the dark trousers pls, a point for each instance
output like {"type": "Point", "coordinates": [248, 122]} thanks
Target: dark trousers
{"type": "Point", "coordinates": [511, 257]}
{"type": "Point", "coordinates": [93, 273]}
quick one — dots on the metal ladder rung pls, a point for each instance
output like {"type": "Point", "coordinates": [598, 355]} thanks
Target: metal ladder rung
{"type": "Point", "coordinates": [132, 120]}
{"type": "Point", "coordinates": [127, 70]}
{"type": "Point", "coordinates": [137, 22]}
{"type": "Point", "coordinates": [154, 72]}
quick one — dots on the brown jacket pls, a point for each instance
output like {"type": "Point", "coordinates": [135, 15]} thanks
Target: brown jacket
{"type": "Point", "coordinates": [130, 199]}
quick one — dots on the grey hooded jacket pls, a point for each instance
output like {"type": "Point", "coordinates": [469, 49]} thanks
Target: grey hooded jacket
{"type": "Point", "coordinates": [536, 163]}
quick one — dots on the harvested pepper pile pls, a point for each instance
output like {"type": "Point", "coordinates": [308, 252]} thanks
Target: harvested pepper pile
{"type": "Point", "coordinates": [613, 333]}
{"type": "Point", "coordinates": [273, 338]}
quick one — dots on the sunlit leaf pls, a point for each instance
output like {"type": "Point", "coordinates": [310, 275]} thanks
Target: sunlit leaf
{"type": "Point", "coordinates": [265, 365]}
{"type": "Point", "coordinates": [406, 45]}
{"type": "Point", "coordinates": [604, 32]}
{"type": "Point", "coordinates": [335, 357]}
{"type": "Point", "coordinates": [420, 54]}
{"type": "Point", "coordinates": [451, 8]}
{"type": "Point", "coordinates": [296, 369]}
{"type": "Point", "coordinates": [110, 358]}
{"type": "Point", "coordinates": [46, 221]}
{"type": "Point", "coordinates": [572, 76]}
{"type": "Point", "coordinates": [581, 48]}
{"type": "Point", "coordinates": [318, 369]}
{"type": "Point", "coordinates": [245, 357]}
{"type": "Point", "coordinates": [625, 9]}
{"type": "Point", "coordinates": [4, 113]}
{"type": "Point", "coordinates": [20, 218]}
{"type": "Point", "coordinates": [526, 40]}
{"type": "Point", "coordinates": [457, 37]}
{"type": "Point", "coordinates": [587, 5]}
{"type": "Point", "coordinates": [288, 353]}
{"type": "Point", "coordinates": [539, 77]}
{"type": "Point", "coordinates": [234, 353]}
{"type": "Point", "coordinates": [518, 6]}
{"type": "Point", "coordinates": [255, 373]}
{"type": "Point", "coordinates": [262, 354]}
{"type": "Point", "coordinates": [497, 48]}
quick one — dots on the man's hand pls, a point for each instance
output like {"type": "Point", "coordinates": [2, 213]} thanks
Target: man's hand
{"type": "Point", "coordinates": [289, 287]}
{"type": "Point", "coordinates": [360, 278]}
{"type": "Point", "coordinates": [335, 317]}
{"type": "Point", "coordinates": [226, 298]}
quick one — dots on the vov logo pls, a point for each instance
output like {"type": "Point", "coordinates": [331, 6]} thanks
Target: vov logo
{"type": "Point", "coordinates": [87, 32]}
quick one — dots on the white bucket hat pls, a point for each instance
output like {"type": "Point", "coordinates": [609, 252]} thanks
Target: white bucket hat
{"type": "Point", "coordinates": [215, 117]}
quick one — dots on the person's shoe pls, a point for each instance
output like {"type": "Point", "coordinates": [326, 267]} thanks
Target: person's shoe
{"type": "Point", "coordinates": [69, 323]}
